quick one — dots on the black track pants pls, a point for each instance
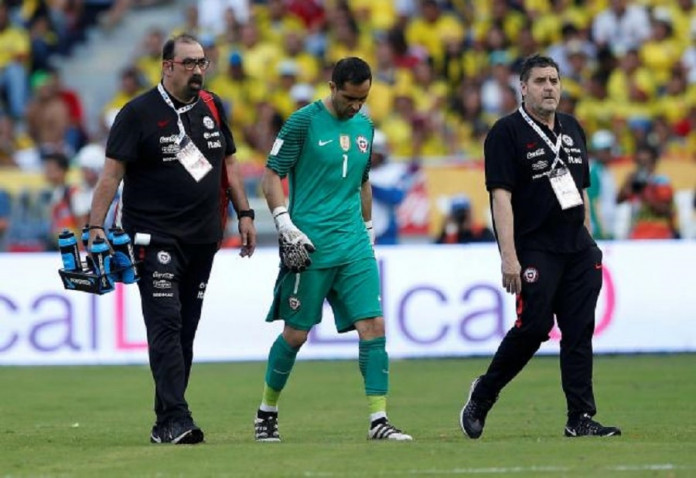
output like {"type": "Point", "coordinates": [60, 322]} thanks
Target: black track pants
{"type": "Point", "coordinates": [173, 281]}
{"type": "Point", "coordinates": [564, 285]}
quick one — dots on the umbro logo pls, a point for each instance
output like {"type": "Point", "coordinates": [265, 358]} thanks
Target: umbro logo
{"type": "Point", "coordinates": [324, 143]}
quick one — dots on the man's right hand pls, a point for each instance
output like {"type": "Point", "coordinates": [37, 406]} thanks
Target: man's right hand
{"type": "Point", "coordinates": [512, 278]}
{"type": "Point", "coordinates": [295, 246]}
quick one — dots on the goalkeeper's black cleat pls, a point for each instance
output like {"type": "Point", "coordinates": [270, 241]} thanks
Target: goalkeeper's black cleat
{"type": "Point", "coordinates": [472, 417]}
{"type": "Point", "coordinates": [266, 427]}
{"type": "Point", "coordinates": [584, 426]}
{"type": "Point", "coordinates": [179, 431]}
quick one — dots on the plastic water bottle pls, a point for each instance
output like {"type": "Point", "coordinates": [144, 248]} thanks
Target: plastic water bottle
{"type": "Point", "coordinates": [124, 258]}
{"type": "Point", "coordinates": [85, 237]}
{"type": "Point", "coordinates": [101, 255]}
{"type": "Point", "coordinates": [69, 251]}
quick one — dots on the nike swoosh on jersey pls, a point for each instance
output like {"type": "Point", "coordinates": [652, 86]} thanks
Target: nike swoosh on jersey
{"type": "Point", "coordinates": [324, 143]}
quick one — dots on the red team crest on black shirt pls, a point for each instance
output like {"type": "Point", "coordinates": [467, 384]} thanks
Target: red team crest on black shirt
{"type": "Point", "coordinates": [530, 275]}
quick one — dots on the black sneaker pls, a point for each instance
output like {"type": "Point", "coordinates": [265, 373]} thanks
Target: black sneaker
{"type": "Point", "coordinates": [381, 429]}
{"type": "Point", "coordinates": [584, 426]}
{"type": "Point", "coordinates": [182, 431]}
{"type": "Point", "coordinates": [472, 418]}
{"type": "Point", "coordinates": [266, 426]}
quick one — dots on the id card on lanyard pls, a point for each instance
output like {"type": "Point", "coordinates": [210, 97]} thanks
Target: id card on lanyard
{"type": "Point", "coordinates": [188, 155]}
{"type": "Point", "coordinates": [561, 180]}
{"type": "Point", "coordinates": [564, 187]}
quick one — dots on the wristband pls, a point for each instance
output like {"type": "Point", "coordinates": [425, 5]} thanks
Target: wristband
{"type": "Point", "coordinates": [281, 218]}
{"type": "Point", "coordinates": [89, 228]}
{"type": "Point", "coordinates": [368, 224]}
{"type": "Point", "coordinates": [246, 213]}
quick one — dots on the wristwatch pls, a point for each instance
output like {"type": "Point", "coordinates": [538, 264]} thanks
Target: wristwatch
{"type": "Point", "coordinates": [246, 213]}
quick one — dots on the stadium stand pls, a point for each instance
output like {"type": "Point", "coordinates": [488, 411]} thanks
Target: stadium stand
{"type": "Point", "coordinates": [444, 71]}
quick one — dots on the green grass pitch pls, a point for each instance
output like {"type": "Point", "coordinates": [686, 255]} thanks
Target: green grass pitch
{"type": "Point", "coordinates": [95, 422]}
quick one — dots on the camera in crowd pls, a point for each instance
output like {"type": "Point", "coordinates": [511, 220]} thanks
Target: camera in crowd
{"type": "Point", "coordinates": [640, 180]}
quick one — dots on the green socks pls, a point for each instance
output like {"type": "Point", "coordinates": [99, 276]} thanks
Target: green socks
{"type": "Point", "coordinates": [374, 366]}
{"type": "Point", "coordinates": [281, 359]}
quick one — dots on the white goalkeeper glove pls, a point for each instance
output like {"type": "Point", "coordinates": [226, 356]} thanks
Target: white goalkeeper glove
{"type": "Point", "coordinates": [370, 232]}
{"type": "Point", "coordinates": [295, 246]}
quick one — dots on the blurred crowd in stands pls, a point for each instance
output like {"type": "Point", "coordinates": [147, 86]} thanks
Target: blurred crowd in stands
{"type": "Point", "coordinates": [444, 71]}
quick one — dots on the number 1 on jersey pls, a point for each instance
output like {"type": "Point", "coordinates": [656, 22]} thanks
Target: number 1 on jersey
{"type": "Point", "coordinates": [345, 165]}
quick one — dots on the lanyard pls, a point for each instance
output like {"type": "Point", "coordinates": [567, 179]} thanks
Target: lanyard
{"type": "Point", "coordinates": [178, 112]}
{"type": "Point", "coordinates": [556, 149]}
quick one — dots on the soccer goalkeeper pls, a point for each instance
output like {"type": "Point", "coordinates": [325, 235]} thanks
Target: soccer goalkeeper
{"type": "Point", "coordinates": [325, 237]}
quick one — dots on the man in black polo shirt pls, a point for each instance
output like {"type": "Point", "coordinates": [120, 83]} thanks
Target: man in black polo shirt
{"type": "Point", "coordinates": [536, 171]}
{"type": "Point", "coordinates": [173, 148]}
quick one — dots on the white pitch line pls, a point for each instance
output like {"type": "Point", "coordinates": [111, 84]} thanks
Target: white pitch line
{"type": "Point", "coordinates": [502, 470]}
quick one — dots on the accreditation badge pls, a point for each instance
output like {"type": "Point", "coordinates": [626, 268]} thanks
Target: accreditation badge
{"type": "Point", "coordinates": [192, 159]}
{"type": "Point", "coordinates": [564, 187]}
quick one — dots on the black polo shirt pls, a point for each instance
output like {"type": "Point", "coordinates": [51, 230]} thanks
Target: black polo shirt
{"type": "Point", "coordinates": [159, 195]}
{"type": "Point", "coordinates": [516, 158]}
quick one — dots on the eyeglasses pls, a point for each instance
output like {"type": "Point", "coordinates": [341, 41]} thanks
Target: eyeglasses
{"type": "Point", "coordinates": [191, 63]}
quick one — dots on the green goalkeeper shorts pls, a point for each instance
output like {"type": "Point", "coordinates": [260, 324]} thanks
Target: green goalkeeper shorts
{"type": "Point", "coordinates": [352, 290]}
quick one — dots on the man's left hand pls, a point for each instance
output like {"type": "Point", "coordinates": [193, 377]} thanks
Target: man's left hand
{"type": "Point", "coordinates": [247, 231]}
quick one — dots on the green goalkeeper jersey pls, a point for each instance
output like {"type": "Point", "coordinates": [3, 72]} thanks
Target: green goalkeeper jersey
{"type": "Point", "coordinates": [326, 160]}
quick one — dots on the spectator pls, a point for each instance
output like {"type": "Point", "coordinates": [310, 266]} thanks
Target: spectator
{"type": "Point", "coordinates": [602, 190]}
{"type": "Point", "coordinates": [130, 87]}
{"type": "Point", "coordinates": [390, 183]}
{"type": "Point", "coordinates": [275, 21]}
{"type": "Point", "coordinates": [7, 142]}
{"type": "Point", "coordinates": [191, 25]}
{"type": "Point", "coordinates": [44, 40]}
{"type": "Point", "coordinates": [302, 94]}
{"type": "Point", "coordinates": [76, 136]}
{"type": "Point", "coordinates": [149, 62]}
{"type": "Point", "coordinates": [308, 65]}
{"type": "Point", "coordinates": [106, 13]}
{"type": "Point", "coordinates": [594, 108]}
{"type": "Point", "coordinates": [433, 29]}
{"type": "Point", "coordinates": [459, 226]}
{"type": "Point", "coordinates": [279, 94]}
{"type": "Point", "coordinates": [15, 53]}
{"type": "Point", "coordinates": [688, 59]}
{"type": "Point", "coordinates": [571, 36]}
{"type": "Point", "coordinates": [662, 50]}
{"type": "Point", "coordinates": [62, 198]}
{"type": "Point", "coordinates": [238, 92]}
{"type": "Point", "coordinates": [621, 26]}
{"type": "Point", "coordinates": [258, 55]}
{"type": "Point", "coordinates": [212, 13]}
{"type": "Point", "coordinates": [493, 85]}
{"type": "Point", "coordinates": [651, 198]}
{"type": "Point", "coordinates": [5, 211]}
{"type": "Point", "coordinates": [48, 116]}
{"type": "Point", "coordinates": [398, 125]}
{"type": "Point", "coordinates": [262, 132]}
{"type": "Point", "coordinates": [345, 38]}
{"type": "Point", "coordinates": [526, 46]}
{"type": "Point", "coordinates": [90, 159]}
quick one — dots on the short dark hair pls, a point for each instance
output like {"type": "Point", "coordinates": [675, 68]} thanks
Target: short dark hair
{"type": "Point", "coordinates": [536, 61]}
{"type": "Point", "coordinates": [653, 151]}
{"type": "Point", "coordinates": [351, 70]}
{"type": "Point", "coordinates": [170, 44]}
{"type": "Point", "coordinates": [57, 157]}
